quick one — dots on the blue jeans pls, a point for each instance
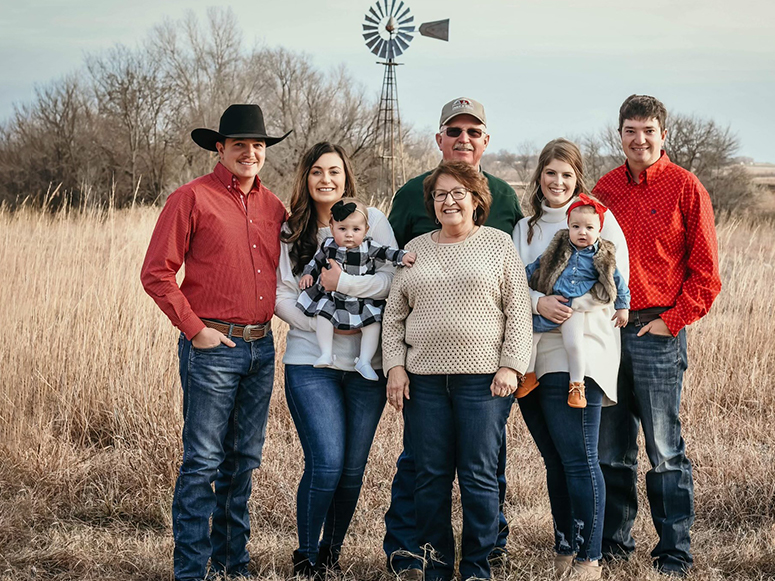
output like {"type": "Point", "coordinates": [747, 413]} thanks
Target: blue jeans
{"type": "Point", "coordinates": [458, 426]}
{"type": "Point", "coordinates": [400, 541]}
{"type": "Point", "coordinates": [568, 440]}
{"type": "Point", "coordinates": [226, 392]}
{"type": "Point", "coordinates": [336, 415]}
{"type": "Point", "coordinates": [650, 381]}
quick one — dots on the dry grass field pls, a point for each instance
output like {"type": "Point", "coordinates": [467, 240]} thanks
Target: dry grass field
{"type": "Point", "coordinates": [90, 422]}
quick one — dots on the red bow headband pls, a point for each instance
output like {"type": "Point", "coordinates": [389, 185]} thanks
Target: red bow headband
{"type": "Point", "coordinates": [585, 200]}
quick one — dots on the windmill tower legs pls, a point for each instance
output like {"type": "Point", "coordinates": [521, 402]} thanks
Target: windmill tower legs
{"type": "Point", "coordinates": [390, 146]}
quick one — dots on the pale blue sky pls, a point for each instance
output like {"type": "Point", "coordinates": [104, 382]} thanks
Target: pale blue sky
{"type": "Point", "coordinates": [542, 68]}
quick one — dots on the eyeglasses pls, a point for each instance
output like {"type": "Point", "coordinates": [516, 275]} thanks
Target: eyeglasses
{"type": "Point", "coordinates": [473, 132]}
{"type": "Point", "coordinates": [457, 194]}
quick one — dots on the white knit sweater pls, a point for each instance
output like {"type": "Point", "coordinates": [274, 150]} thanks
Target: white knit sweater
{"type": "Point", "coordinates": [601, 339]}
{"type": "Point", "coordinates": [462, 308]}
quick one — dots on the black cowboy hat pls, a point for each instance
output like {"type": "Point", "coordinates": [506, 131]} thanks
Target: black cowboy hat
{"type": "Point", "coordinates": [238, 121]}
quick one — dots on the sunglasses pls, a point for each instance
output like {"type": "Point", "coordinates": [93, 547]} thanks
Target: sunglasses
{"type": "Point", "coordinates": [473, 132]}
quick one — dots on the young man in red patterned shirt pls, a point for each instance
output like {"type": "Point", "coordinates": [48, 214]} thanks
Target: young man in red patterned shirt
{"type": "Point", "coordinates": [667, 218]}
{"type": "Point", "coordinates": [225, 227]}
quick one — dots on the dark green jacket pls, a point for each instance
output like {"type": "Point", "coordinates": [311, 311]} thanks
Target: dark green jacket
{"type": "Point", "coordinates": [409, 218]}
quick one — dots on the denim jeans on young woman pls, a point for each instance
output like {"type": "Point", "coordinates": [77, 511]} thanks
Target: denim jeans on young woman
{"type": "Point", "coordinates": [226, 392]}
{"type": "Point", "coordinates": [400, 542]}
{"type": "Point", "coordinates": [650, 381]}
{"type": "Point", "coordinates": [336, 415]}
{"type": "Point", "coordinates": [567, 439]}
{"type": "Point", "coordinates": [456, 425]}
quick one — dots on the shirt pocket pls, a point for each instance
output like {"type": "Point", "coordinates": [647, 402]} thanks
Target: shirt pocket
{"type": "Point", "coordinates": [268, 233]}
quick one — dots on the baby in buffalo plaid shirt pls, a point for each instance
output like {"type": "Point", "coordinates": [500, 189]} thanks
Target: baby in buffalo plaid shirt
{"type": "Point", "coordinates": [358, 254]}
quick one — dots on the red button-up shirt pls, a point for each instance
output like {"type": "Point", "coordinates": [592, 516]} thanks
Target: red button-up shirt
{"type": "Point", "coordinates": [667, 219]}
{"type": "Point", "coordinates": [230, 244]}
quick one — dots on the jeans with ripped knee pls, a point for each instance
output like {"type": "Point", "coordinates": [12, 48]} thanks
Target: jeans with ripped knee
{"type": "Point", "coordinates": [567, 439]}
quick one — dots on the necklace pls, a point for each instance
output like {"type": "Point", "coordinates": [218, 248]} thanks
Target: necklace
{"type": "Point", "coordinates": [438, 244]}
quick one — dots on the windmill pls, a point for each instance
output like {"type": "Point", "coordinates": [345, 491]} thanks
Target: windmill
{"type": "Point", "coordinates": [387, 29]}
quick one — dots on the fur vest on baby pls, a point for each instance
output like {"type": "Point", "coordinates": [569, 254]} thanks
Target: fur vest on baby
{"type": "Point", "coordinates": [556, 257]}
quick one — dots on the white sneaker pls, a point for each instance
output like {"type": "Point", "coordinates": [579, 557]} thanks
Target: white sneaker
{"type": "Point", "coordinates": [325, 360]}
{"type": "Point", "coordinates": [366, 370]}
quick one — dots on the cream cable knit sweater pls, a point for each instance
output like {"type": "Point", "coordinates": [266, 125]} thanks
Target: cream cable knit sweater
{"type": "Point", "coordinates": [462, 308]}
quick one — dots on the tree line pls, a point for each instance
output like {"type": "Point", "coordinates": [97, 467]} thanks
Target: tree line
{"type": "Point", "coordinates": [699, 145]}
{"type": "Point", "coordinates": [117, 130]}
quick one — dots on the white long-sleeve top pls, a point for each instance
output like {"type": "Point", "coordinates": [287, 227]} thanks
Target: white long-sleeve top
{"type": "Point", "coordinates": [601, 339]}
{"type": "Point", "coordinates": [301, 344]}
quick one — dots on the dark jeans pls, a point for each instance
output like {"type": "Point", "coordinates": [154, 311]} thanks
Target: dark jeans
{"type": "Point", "coordinates": [568, 439]}
{"type": "Point", "coordinates": [650, 381]}
{"type": "Point", "coordinates": [226, 392]}
{"type": "Point", "coordinates": [400, 541]}
{"type": "Point", "coordinates": [457, 426]}
{"type": "Point", "coordinates": [336, 415]}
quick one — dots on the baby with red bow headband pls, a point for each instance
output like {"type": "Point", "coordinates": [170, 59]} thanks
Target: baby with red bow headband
{"type": "Point", "coordinates": [580, 266]}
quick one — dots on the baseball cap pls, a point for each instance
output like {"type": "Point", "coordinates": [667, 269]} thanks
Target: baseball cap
{"type": "Point", "coordinates": [462, 106]}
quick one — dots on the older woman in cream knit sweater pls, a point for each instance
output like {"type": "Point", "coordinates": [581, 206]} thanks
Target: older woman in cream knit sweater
{"type": "Point", "coordinates": [456, 341]}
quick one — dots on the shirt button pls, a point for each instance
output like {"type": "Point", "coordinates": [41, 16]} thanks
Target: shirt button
{"type": "Point", "coordinates": [260, 298]}
{"type": "Point", "coordinates": [254, 246]}
{"type": "Point", "coordinates": [251, 221]}
{"type": "Point", "coordinates": [259, 271]}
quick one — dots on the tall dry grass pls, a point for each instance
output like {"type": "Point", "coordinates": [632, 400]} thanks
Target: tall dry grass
{"type": "Point", "coordinates": [90, 421]}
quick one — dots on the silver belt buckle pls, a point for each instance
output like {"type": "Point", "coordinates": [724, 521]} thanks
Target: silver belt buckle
{"type": "Point", "coordinates": [246, 332]}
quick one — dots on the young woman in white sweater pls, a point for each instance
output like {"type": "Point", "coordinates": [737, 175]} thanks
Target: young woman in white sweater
{"type": "Point", "coordinates": [335, 410]}
{"type": "Point", "coordinates": [567, 437]}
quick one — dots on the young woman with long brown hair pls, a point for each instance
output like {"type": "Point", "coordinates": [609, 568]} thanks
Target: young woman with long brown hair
{"type": "Point", "coordinates": [335, 410]}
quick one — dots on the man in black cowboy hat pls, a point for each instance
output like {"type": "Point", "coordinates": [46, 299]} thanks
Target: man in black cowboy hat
{"type": "Point", "coordinates": [225, 227]}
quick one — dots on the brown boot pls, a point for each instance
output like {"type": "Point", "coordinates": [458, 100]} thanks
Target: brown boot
{"type": "Point", "coordinates": [530, 383]}
{"type": "Point", "coordinates": [576, 397]}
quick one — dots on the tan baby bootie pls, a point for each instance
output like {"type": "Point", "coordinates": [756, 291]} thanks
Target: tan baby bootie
{"type": "Point", "coordinates": [576, 395]}
{"type": "Point", "coordinates": [528, 385]}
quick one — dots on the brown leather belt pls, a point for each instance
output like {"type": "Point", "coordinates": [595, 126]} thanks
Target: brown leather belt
{"type": "Point", "coordinates": [247, 332]}
{"type": "Point", "coordinates": [645, 316]}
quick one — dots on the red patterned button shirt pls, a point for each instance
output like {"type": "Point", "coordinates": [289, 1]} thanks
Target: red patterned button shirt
{"type": "Point", "coordinates": [230, 244]}
{"type": "Point", "coordinates": [667, 219]}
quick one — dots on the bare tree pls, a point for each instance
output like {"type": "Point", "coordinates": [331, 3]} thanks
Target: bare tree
{"type": "Point", "coordinates": [132, 100]}
{"type": "Point", "coordinates": [707, 149]}
{"type": "Point", "coordinates": [699, 145]}
{"type": "Point", "coordinates": [46, 145]}
{"type": "Point", "coordinates": [602, 152]}
{"type": "Point", "coordinates": [316, 107]}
